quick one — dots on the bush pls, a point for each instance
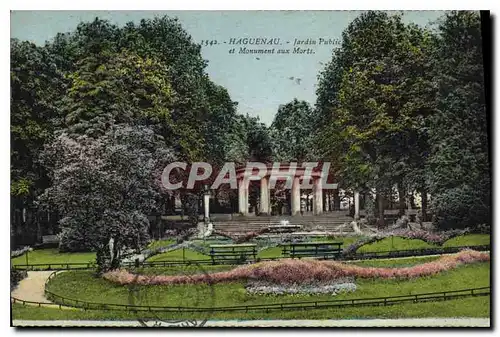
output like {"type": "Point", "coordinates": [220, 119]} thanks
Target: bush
{"type": "Point", "coordinates": [73, 241]}
{"type": "Point", "coordinates": [16, 276]}
{"type": "Point", "coordinates": [460, 207]}
{"type": "Point", "coordinates": [19, 252]}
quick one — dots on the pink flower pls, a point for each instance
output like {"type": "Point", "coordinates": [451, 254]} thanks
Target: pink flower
{"type": "Point", "coordinates": [289, 271]}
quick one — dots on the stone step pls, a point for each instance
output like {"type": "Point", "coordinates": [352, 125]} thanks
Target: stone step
{"type": "Point", "coordinates": [244, 228]}
{"type": "Point", "coordinates": [278, 223]}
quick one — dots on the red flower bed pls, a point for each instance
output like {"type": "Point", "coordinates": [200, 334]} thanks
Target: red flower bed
{"type": "Point", "coordinates": [289, 271]}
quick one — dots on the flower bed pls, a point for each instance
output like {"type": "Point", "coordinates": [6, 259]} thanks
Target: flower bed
{"type": "Point", "coordinates": [290, 271]}
{"type": "Point", "coordinates": [265, 288]}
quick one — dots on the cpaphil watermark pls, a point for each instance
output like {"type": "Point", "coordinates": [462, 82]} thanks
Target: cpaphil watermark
{"type": "Point", "coordinates": [179, 175]}
{"type": "Point", "coordinates": [152, 313]}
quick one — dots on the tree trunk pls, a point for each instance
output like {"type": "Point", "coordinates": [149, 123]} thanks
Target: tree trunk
{"type": "Point", "coordinates": [381, 220]}
{"type": "Point", "coordinates": [336, 200]}
{"type": "Point", "coordinates": [412, 201]}
{"type": "Point", "coordinates": [402, 199]}
{"type": "Point", "coordinates": [423, 193]}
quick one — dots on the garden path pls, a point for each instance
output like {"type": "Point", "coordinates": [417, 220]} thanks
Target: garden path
{"type": "Point", "coordinates": [32, 288]}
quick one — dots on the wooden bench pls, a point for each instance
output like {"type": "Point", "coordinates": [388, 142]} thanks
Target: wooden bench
{"type": "Point", "coordinates": [50, 239]}
{"type": "Point", "coordinates": [313, 249]}
{"type": "Point", "coordinates": [233, 253]}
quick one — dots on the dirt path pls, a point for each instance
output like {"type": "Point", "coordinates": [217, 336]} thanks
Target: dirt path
{"type": "Point", "coordinates": [32, 288]}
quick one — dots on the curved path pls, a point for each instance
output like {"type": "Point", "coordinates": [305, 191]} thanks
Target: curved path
{"type": "Point", "coordinates": [32, 288]}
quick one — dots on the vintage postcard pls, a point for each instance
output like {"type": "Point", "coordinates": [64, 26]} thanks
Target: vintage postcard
{"type": "Point", "coordinates": [250, 169]}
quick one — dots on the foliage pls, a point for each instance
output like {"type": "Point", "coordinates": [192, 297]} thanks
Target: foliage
{"type": "Point", "coordinates": [99, 75]}
{"type": "Point", "coordinates": [20, 251]}
{"type": "Point", "coordinates": [36, 87]}
{"type": "Point", "coordinates": [104, 189]}
{"type": "Point", "coordinates": [291, 131]}
{"type": "Point", "coordinates": [16, 276]}
{"type": "Point", "coordinates": [401, 105]}
{"type": "Point", "coordinates": [459, 167]}
{"type": "Point", "coordinates": [118, 88]}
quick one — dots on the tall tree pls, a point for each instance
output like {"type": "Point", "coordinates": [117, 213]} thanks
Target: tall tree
{"type": "Point", "coordinates": [36, 87]}
{"type": "Point", "coordinates": [291, 131]}
{"type": "Point", "coordinates": [119, 88]}
{"type": "Point", "coordinates": [104, 189]}
{"type": "Point", "coordinates": [458, 167]}
{"type": "Point", "coordinates": [383, 94]}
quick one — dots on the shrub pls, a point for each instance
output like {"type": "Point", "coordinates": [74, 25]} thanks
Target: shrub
{"type": "Point", "coordinates": [16, 276]}
{"type": "Point", "coordinates": [19, 252]}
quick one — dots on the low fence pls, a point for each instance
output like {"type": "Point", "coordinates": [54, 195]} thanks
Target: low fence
{"type": "Point", "coordinates": [303, 305]}
{"type": "Point", "coordinates": [412, 252]}
{"type": "Point", "coordinates": [173, 263]}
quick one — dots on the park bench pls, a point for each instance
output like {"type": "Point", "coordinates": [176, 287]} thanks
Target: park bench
{"type": "Point", "coordinates": [312, 249]}
{"type": "Point", "coordinates": [50, 239]}
{"type": "Point", "coordinates": [233, 253]}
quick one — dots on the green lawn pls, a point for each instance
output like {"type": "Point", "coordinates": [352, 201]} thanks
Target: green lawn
{"type": "Point", "coordinates": [82, 285]}
{"type": "Point", "coordinates": [346, 240]}
{"type": "Point", "coordinates": [179, 255]}
{"type": "Point", "coordinates": [270, 252]}
{"type": "Point", "coordinates": [184, 270]}
{"type": "Point", "coordinates": [52, 255]}
{"type": "Point", "coordinates": [466, 307]}
{"type": "Point", "coordinates": [399, 262]}
{"type": "Point", "coordinates": [387, 244]}
{"type": "Point", "coordinates": [468, 240]}
{"type": "Point", "coordinates": [160, 243]}
{"type": "Point", "coordinates": [394, 243]}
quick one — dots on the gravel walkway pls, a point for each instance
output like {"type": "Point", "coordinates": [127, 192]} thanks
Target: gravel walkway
{"type": "Point", "coordinates": [405, 322]}
{"type": "Point", "coordinates": [32, 287]}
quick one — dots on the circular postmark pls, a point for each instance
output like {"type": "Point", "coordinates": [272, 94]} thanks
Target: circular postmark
{"type": "Point", "coordinates": [177, 305]}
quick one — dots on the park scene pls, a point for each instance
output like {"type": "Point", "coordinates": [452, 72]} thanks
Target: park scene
{"type": "Point", "coordinates": [363, 193]}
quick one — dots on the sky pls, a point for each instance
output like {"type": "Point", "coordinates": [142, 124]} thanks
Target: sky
{"type": "Point", "coordinates": [259, 83]}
